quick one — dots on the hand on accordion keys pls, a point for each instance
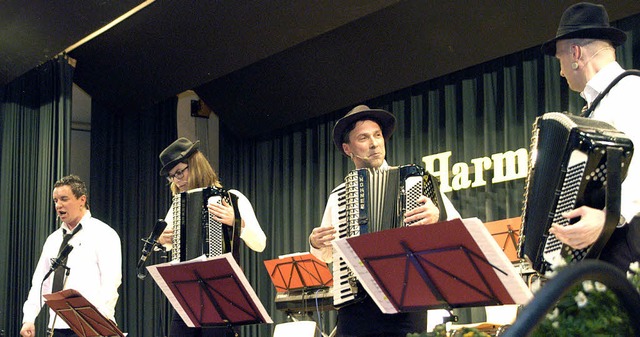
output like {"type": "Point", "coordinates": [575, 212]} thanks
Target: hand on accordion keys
{"type": "Point", "coordinates": [583, 233]}
{"type": "Point", "coordinates": [425, 214]}
{"type": "Point", "coordinates": [222, 213]}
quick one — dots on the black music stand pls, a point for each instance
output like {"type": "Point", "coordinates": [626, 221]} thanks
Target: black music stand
{"type": "Point", "coordinates": [81, 316]}
{"type": "Point", "coordinates": [298, 271]}
{"type": "Point", "coordinates": [210, 292]}
{"type": "Point", "coordinates": [450, 264]}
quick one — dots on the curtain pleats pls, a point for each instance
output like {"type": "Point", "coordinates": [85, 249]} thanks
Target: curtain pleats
{"type": "Point", "coordinates": [475, 113]}
{"type": "Point", "coordinates": [128, 193]}
{"type": "Point", "coordinates": [463, 118]}
{"type": "Point", "coordinates": [35, 129]}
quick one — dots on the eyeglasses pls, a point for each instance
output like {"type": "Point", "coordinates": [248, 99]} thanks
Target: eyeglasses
{"type": "Point", "coordinates": [179, 174]}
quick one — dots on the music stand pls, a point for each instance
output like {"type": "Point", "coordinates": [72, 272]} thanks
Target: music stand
{"type": "Point", "coordinates": [298, 271]}
{"type": "Point", "coordinates": [81, 316]}
{"type": "Point", "coordinates": [208, 292]}
{"type": "Point", "coordinates": [450, 264]}
{"type": "Point", "coordinates": [507, 234]}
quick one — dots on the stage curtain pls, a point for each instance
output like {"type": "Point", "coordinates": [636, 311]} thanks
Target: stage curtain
{"type": "Point", "coordinates": [35, 126]}
{"type": "Point", "coordinates": [474, 113]}
{"type": "Point", "coordinates": [128, 193]}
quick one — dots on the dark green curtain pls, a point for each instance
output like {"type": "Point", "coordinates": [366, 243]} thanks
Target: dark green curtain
{"type": "Point", "coordinates": [128, 194]}
{"type": "Point", "coordinates": [473, 113]}
{"type": "Point", "coordinates": [35, 124]}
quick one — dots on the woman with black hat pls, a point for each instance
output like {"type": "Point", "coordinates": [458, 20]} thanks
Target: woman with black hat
{"type": "Point", "coordinates": [585, 46]}
{"type": "Point", "coordinates": [187, 168]}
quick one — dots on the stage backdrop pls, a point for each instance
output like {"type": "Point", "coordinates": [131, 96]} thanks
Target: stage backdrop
{"type": "Point", "coordinates": [482, 115]}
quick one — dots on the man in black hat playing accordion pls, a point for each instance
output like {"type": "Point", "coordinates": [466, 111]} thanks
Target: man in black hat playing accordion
{"type": "Point", "coordinates": [361, 135]}
{"type": "Point", "coordinates": [585, 47]}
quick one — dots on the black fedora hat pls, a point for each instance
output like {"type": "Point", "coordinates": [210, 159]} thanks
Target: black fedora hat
{"type": "Point", "coordinates": [384, 118]}
{"type": "Point", "coordinates": [588, 21]}
{"type": "Point", "coordinates": [175, 153]}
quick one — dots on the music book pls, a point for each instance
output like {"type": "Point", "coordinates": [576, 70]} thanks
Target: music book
{"type": "Point", "coordinates": [298, 271]}
{"type": "Point", "coordinates": [507, 233]}
{"type": "Point", "coordinates": [450, 264]}
{"type": "Point", "coordinates": [209, 292]}
{"type": "Point", "coordinates": [81, 316]}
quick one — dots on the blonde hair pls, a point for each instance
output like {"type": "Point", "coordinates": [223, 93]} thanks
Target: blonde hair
{"type": "Point", "coordinates": [201, 174]}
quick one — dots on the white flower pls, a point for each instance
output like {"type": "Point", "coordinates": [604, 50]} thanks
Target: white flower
{"type": "Point", "coordinates": [600, 287]}
{"type": "Point", "coordinates": [635, 267]}
{"type": "Point", "coordinates": [558, 262]}
{"type": "Point", "coordinates": [554, 314]}
{"type": "Point", "coordinates": [587, 286]}
{"type": "Point", "coordinates": [630, 275]}
{"type": "Point", "coordinates": [581, 299]}
{"type": "Point", "coordinates": [555, 324]}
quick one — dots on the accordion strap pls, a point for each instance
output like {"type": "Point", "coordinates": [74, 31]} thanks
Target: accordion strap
{"type": "Point", "coordinates": [600, 96]}
{"type": "Point", "coordinates": [612, 208]}
{"type": "Point", "coordinates": [236, 228]}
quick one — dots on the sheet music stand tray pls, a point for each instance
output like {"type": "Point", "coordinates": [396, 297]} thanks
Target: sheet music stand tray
{"type": "Point", "coordinates": [298, 272]}
{"type": "Point", "coordinates": [81, 316]}
{"type": "Point", "coordinates": [450, 264]}
{"type": "Point", "coordinates": [507, 233]}
{"type": "Point", "coordinates": [210, 292]}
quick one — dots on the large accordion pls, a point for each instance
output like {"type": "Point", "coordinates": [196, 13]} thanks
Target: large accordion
{"type": "Point", "coordinates": [195, 231]}
{"type": "Point", "coordinates": [567, 169]}
{"type": "Point", "coordinates": [371, 200]}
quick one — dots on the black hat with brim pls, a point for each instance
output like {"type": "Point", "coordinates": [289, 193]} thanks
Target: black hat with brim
{"type": "Point", "coordinates": [585, 21]}
{"type": "Point", "coordinates": [178, 151]}
{"type": "Point", "coordinates": [384, 118]}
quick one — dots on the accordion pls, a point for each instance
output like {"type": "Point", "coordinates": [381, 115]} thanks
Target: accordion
{"type": "Point", "coordinates": [195, 231]}
{"type": "Point", "coordinates": [567, 169]}
{"type": "Point", "coordinates": [371, 201]}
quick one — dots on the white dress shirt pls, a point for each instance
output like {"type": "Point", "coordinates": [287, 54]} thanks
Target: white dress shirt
{"type": "Point", "coordinates": [251, 234]}
{"type": "Point", "coordinates": [621, 109]}
{"type": "Point", "coordinates": [95, 266]}
{"type": "Point", "coordinates": [331, 218]}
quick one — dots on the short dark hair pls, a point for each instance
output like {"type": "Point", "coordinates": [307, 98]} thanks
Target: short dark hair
{"type": "Point", "coordinates": [78, 187]}
{"type": "Point", "coordinates": [352, 125]}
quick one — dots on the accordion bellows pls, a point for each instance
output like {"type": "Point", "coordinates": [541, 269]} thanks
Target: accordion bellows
{"type": "Point", "coordinates": [567, 169]}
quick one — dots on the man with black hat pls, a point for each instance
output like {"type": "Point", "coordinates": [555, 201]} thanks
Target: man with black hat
{"type": "Point", "coordinates": [361, 135]}
{"type": "Point", "coordinates": [585, 46]}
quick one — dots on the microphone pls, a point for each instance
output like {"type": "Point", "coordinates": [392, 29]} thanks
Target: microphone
{"type": "Point", "coordinates": [151, 241]}
{"type": "Point", "coordinates": [60, 260]}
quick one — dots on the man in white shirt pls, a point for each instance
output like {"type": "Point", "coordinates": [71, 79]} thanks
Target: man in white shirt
{"type": "Point", "coordinates": [94, 263]}
{"type": "Point", "coordinates": [361, 135]}
{"type": "Point", "coordinates": [585, 47]}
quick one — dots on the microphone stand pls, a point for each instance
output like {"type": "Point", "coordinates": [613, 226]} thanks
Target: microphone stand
{"type": "Point", "coordinates": [142, 271]}
{"type": "Point", "coordinates": [66, 278]}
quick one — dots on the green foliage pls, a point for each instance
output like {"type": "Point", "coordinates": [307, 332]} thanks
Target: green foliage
{"type": "Point", "coordinates": [589, 309]}
{"type": "Point", "coordinates": [441, 331]}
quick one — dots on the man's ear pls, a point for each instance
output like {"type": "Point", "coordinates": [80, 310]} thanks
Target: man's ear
{"type": "Point", "coordinates": [346, 149]}
{"type": "Point", "coordinates": [576, 52]}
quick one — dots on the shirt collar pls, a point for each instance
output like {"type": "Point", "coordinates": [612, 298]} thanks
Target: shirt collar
{"type": "Point", "coordinates": [85, 217]}
{"type": "Point", "coordinates": [600, 81]}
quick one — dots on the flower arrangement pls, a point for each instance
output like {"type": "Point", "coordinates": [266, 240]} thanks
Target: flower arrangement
{"type": "Point", "coordinates": [440, 330]}
{"type": "Point", "coordinates": [589, 309]}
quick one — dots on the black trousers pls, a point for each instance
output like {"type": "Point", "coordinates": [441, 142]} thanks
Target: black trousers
{"type": "Point", "coordinates": [364, 319]}
{"type": "Point", "coordinates": [179, 329]}
{"type": "Point", "coordinates": [624, 245]}
{"type": "Point", "coordinates": [64, 333]}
